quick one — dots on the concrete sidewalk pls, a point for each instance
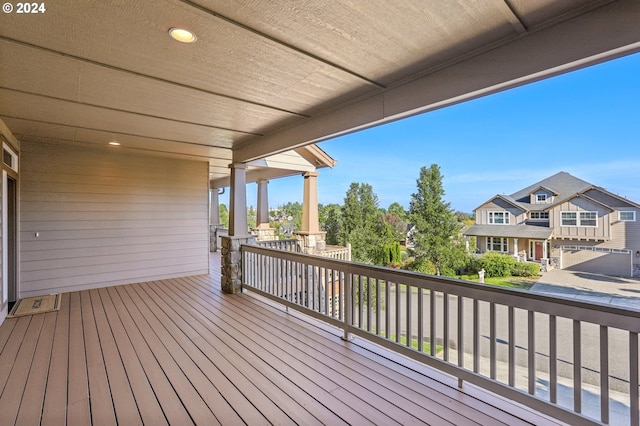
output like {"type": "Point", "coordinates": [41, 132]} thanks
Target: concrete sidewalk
{"type": "Point", "coordinates": [623, 292]}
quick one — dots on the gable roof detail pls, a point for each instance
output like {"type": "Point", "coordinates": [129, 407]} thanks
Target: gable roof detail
{"type": "Point", "coordinates": [544, 188]}
{"type": "Point", "coordinates": [506, 198]}
{"type": "Point", "coordinates": [563, 184]}
{"type": "Point", "coordinates": [564, 187]}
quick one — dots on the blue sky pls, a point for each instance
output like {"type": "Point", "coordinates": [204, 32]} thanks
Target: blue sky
{"type": "Point", "coordinates": [586, 123]}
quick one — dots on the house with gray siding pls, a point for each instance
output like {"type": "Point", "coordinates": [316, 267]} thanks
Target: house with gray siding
{"type": "Point", "coordinates": [563, 222]}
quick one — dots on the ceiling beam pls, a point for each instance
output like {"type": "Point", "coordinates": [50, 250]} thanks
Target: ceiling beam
{"type": "Point", "coordinates": [598, 35]}
{"type": "Point", "coordinates": [141, 114]}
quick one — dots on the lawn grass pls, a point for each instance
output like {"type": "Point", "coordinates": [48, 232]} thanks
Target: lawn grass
{"type": "Point", "coordinates": [426, 346]}
{"type": "Point", "coordinates": [523, 283]}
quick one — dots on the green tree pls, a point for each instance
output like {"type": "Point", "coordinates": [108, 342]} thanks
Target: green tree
{"type": "Point", "coordinates": [437, 240]}
{"type": "Point", "coordinates": [251, 217]}
{"type": "Point", "coordinates": [360, 222]}
{"type": "Point", "coordinates": [330, 218]}
{"type": "Point", "coordinates": [224, 215]}
{"type": "Point", "coordinates": [398, 210]}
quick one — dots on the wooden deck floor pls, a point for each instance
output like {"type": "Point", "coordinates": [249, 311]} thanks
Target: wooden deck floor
{"type": "Point", "coordinates": [180, 352]}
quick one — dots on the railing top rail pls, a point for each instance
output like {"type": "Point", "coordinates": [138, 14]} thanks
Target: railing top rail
{"type": "Point", "coordinates": [597, 313]}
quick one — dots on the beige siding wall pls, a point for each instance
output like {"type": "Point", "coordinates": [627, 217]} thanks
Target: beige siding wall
{"type": "Point", "coordinates": [516, 215]}
{"type": "Point", "coordinates": [601, 231]}
{"type": "Point", "coordinates": [93, 218]}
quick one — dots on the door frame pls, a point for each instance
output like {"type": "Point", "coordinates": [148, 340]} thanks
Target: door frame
{"type": "Point", "coordinates": [9, 193]}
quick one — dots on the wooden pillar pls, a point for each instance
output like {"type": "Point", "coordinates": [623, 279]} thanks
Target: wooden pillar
{"type": "Point", "coordinates": [310, 220]}
{"type": "Point", "coordinates": [262, 216]}
{"type": "Point", "coordinates": [238, 231]}
{"type": "Point", "coordinates": [238, 200]}
{"type": "Point", "coordinates": [214, 203]}
{"type": "Point", "coordinates": [310, 238]}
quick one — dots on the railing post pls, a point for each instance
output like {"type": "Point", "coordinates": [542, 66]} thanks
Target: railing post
{"type": "Point", "coordinates": [348, 305]}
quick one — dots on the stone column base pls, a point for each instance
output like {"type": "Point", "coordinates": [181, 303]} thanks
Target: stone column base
{"type": "Point", "coordinates": [311, 243]}
{"type": "Point", "coordinates": [232, 262]}
{"type": "Point", "coordinates": [264, 234]}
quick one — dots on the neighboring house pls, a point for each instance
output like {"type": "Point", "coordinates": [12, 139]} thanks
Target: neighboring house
{"type": "Point", "coordinates": [563, 222]}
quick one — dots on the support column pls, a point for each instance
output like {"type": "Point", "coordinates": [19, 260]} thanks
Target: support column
{"type": "Point", "coordinates": [214, 203]}
{"type": "Point", "coordinates": [515, 249]}
{"type": "Point", "coordinates": [310, 221]}
{"type": "Point", "coordinates": [238, 231]}
{"type": "Point", "coordinates": [262, 230]}
{"type": "Point", "coordinates": [310, 238]}
{"type": "Point", "coordinates": [238, 200]}
{"type": "Point", "coordinates": [214, 219]}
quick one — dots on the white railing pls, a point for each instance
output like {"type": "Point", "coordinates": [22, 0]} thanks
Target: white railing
{"type": "Point", "coordinates": [542, 351]}
{"type": "Point", "coordinates": [284, 245]}
{"type": "Point", "coordinates": [337, 252]}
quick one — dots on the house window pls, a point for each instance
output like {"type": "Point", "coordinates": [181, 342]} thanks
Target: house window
{"type": "Point", "coordinates": [541, 198]}
{"type": "Point", "coordinates": [629, 216]}
{"type": "Point", "coordinates": [539, 215]}
{"type": "Point", "coordinates": [499, 218]}
{"type": "Point", "coordinates": [569, 218]}
{"type": "Point", "coordinates": [579, 218]}
{"type": "Point", "coordinates": [498, 244]}
{"type": "Point", "coordinates": [588, 218]}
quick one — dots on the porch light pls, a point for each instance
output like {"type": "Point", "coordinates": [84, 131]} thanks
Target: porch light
{"type": "Point", "coordinates": [114, 143]}
{"type": "Point", "coordinates": [182, 35]}
{"type": "Point", "coordinates": [637, 253]}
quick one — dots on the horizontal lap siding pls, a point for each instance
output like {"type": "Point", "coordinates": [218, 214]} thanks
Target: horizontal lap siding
{"type": "Point", "coordinates": [107, 217]}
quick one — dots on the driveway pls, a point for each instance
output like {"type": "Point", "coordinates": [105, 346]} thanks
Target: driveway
{"type": "Point", "coordinates": [623, 292]}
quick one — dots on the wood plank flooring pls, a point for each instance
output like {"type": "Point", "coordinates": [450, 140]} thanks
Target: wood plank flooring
{"type": "Point", "coordinates": [181, 352]}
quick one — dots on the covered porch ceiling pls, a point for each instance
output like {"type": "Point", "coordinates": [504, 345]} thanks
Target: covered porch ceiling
{"type": "Point", "coordinates": [266, 77]}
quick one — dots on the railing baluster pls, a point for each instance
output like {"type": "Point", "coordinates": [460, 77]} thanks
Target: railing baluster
{"type": "Point", "coordinates": [398, 313]}
{"type": "Point", "coordinates": [348, 301]}
{"type": "Point", "coordinates": [604, 374]}
{"type": "Point", "coordinates": [387, 315]}
{"type": "Point", "coordinates": [634, 397]}
{"type": "Point", "coordinates": [420, 320]}
{"type": "Point", "coordinates": [445, 325]}
{"type": "Point", "coordinates": [360, 294]}
{"type": "Point", "coordinates": [369, 302]}
{"type": "Point", "coordinates": [432, 323]}
{"type": "Point", "coordinates": [409, 316]}
{"type": "Point", "coordinates": [492, 340]}
{"type": "Point", "coordinates": [476, 337]}
{"type": "Point", "coordinates": [531, 325]}
{"type": "Point", "coordinates": [377, 307]}
{"type": "Point", "coordinates": [577, 367]}
{"type": "Point", "coordinates": [553, 359]}
{"type": "Point", "coordinates": [460, 335]}
{"type": "Point", "coordinates": [512, 347]}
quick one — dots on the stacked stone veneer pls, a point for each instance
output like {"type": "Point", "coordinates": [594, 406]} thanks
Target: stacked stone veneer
{"type": "Point", "coordinates": [232, 262]}
{"type": "Point", "coordinates": [311, 243]}
{"type": "Point", "coordinates": [264, 234]}
{"type": "Point", "coordinates": [636, 270]}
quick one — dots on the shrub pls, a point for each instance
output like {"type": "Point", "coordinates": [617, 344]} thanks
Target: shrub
{"type": "Point", "coordinates": [497, 265]}
{"type": "Point", "coordinates": [525, 269]}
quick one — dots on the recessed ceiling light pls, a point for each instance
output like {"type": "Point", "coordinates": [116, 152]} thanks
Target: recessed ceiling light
{"type": "Point", "coordinates": [182, 35]}
{"type": "Point", "coordinates": [114, 143]}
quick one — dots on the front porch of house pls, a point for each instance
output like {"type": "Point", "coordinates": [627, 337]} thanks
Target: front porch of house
{"type": "Point", "coordinates": [179, 351]}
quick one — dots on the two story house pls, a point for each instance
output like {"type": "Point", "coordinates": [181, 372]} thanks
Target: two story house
{"type": "Point", "coordinates": [563, 222]}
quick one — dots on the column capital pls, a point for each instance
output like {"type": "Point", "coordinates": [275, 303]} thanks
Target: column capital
{"type": "Point", "coordinates": [311, 174]}
{"type": "Point", "coordinates": [238, 165]}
